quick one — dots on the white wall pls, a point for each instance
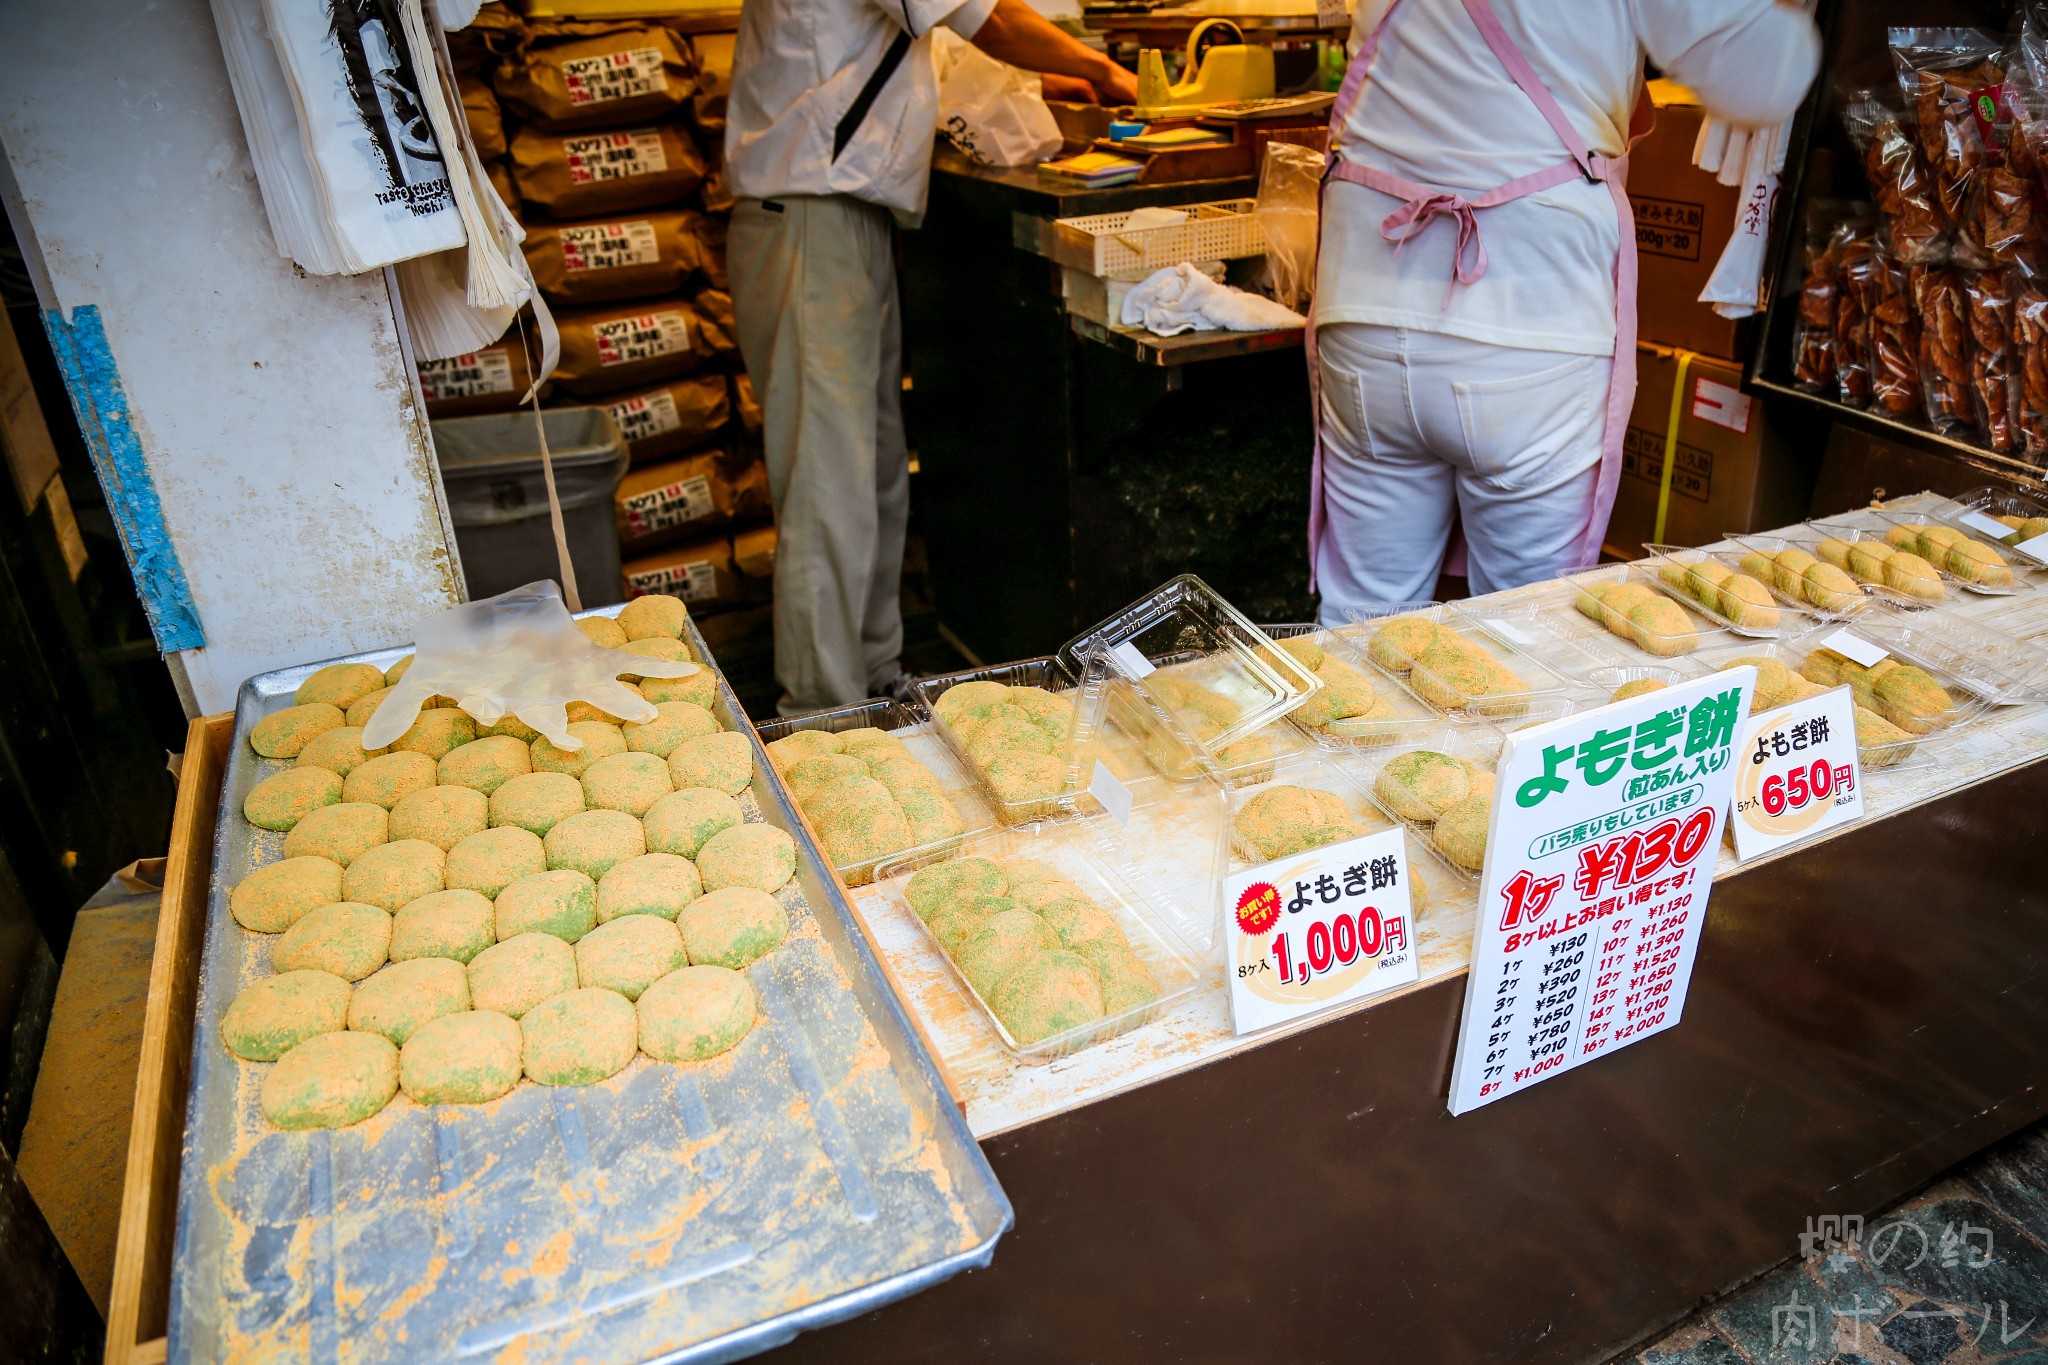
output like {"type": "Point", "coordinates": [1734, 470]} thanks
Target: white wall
{"type": "Point", "coordinates": [276, 413]}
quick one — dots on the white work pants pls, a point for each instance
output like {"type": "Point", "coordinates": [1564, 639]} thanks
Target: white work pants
{"type": "Point", "coordinates": [1417, 425]}
{"type": "Point", "coordinates": [814, 295]}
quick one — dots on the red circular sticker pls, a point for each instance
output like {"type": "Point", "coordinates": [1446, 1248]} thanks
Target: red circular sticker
{"type": "Point", "coordinates": [1258, 909]}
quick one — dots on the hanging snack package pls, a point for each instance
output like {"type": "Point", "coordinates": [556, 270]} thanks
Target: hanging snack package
{"type": "Point", "coordinates": [1943, 72]}
{"type": "Point", "coordinates": [1945, 346]}
{"type": "Point", "coordinates": [1813, 328]}
{"type": "Point", "coordinates": [613, 74]}
{"type": "Point", "coordinates": [1894, 330]}
{"type": "Point", "coordinates": [1916, 231]}
{"type": "Point", "coordinates": [2028, 284]}
{"type": "Point", "coordinates": [617, 170]}
{"type": "Point", "coordinates": [1994, 369]}
{"type": "Point", "coordinates": [1855, 249]}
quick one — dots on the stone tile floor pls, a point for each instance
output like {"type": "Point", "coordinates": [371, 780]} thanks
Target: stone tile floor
{"type": "Point", "coordinates": [1957, 1275]}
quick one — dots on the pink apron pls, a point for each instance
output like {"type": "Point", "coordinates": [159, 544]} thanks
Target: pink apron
{"type": "Point", "coordinates": [1422, 206]}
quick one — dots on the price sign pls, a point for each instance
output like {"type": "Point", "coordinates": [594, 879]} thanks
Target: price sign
{"type": "Point", "coordinates": [1799, 774]}
{"type": "Point", "coordinates": [1598, 866]}
{"type": "Point", "coordinates": [1311, 931]}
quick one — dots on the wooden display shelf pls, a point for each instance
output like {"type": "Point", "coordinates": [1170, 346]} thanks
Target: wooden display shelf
{"type": "Point", "coordinates": [138, 1307]}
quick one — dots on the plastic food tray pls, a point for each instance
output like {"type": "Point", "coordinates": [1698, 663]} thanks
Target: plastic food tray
{"type": "Point", "coordinates": [1331, 772]}
{"type": "Point", "coordinates": [1445, 695]}
{"type": "Point", "coordinates": [1701, 629]}
{"type": "Point", "coordinates": [1994, 502]}
{"type": "Point", "coordinates": [1794, 602]}
{"type": "Point", "coordinates": [925, 747]}
{"type": "Point", "coordinates": [1183, 632]}
{"type": "Point", "coordinates": [1969, 702]}
{"type": "Point", "coordinates": [675, 1213]}
{"type": "Point", "coordinates": [1047, 673]}
{"type": "Point", "coordinates": [1411, 715]}
{"type": "Point", "coordinates": [1876, 524]}
{"type": "Point", "coordinates": [1173, 964]}
{"type": "Point", "coordinates": [1894, 757]}
{"type": "Point", "coordinates": [1959, 652]}
{"type": "Point", "coordinates": [1809, 541]}
{"type": "Point", "coordinates": [1100, 244]}
{"type": "Point", "coordinates": [1685, 559]}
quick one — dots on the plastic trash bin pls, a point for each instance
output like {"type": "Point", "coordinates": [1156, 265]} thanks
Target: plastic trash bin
{"type": "Point", "coordinates": [498, 498]}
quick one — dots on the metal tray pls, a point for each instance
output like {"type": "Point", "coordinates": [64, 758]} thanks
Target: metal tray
{"type": "Point", "coordinates": [673, 1213]}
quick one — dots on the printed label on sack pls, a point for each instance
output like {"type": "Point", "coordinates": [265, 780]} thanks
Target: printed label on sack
{"type": "Point", "coordinates": [645, 415]}
{"type": "Point", "coordinates": [691, 582]}
{"type": "Point", "coordinates": [466, 376]}
{"type": "Point", "coordinates": [623, 341]}
{"type": "Point", "coordinates": [614, 76]}
{"type": "Point", "coordinates": [677, 504]}
{"type": "Point", "coordinates": [1722, 404]}
{"type": "Point", "coordinates": [609, 246]}
{"type": "Point", "coordinates": [613, 156]}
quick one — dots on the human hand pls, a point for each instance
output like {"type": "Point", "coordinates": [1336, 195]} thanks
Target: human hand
{"type": "Point", "coordinates": [1115, 85]}
{"type": "Point", "coordinates": [1072, 89]}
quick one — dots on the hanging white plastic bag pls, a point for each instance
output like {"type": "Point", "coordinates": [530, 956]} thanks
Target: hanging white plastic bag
{"type": "Point", "coordinates": [379, 176]}
{"type": "Point", "coordinates": [1287, 209]}
{"type": "Point", "coordinates": [519, 652]}
{"type": "Point", "coordinates": [990, 110]}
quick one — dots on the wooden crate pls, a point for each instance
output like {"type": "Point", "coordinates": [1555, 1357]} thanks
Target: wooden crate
{"type": "Point", "coordinates": [139, 1305]}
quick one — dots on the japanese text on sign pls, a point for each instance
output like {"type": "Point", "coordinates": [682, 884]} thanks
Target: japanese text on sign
{"type": "Point", "coordinates": [1314, 930]}
{"type": "Point", "coordinates": [1598, 865]}
{"type": "Point", "coordinates": [1799, 774]}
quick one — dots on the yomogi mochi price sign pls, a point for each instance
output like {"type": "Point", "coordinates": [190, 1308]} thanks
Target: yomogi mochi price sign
{"type": "Point", "coordinates": [1799, 774]}
{"type": "Point", "coordinates": [1313, 930]}
{"type": "Point", "coordinates": [1598, 867]}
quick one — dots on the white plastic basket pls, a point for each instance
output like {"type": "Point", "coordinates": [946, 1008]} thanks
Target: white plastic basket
{"type": "Point", "coordinates": [1100, 244]}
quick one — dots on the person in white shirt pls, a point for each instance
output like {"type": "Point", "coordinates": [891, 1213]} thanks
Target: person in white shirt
{"type": "Point", "coordinates": [1473, 334]}
{"type": "Point", "coordinates": [829, 130]}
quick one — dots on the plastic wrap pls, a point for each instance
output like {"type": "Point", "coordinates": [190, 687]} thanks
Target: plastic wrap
{"type": "Point", "coordinates": [1994, 369]}
{"type": "Point", "coordinates": [1916, 229]}
{"type": "Point", "coordinates": [1816, 348]}
{"type": "Point", "coordinates": [1894, 339]}
{"type": "Point", "coordinates": [2030, 346]}
{"type": "Point", "coordinates": [1289, 205]}
{"type": "Point", "coordinates": [1858, 263]}
{"type": "Point", "coordinates": [1942, 71]}
{"type": "Point", "coordinates": [1945, 347]}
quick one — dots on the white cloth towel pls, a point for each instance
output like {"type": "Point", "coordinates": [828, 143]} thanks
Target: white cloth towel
{"type": "Point", "coordinates": [1181, 298]}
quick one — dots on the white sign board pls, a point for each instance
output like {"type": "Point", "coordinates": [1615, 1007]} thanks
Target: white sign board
{"type": "Point", "coordinates": [1317, 929]}
{"type": "Point", "coordinates": [1598, 865]}
{"type": "Point", "coordinates": [1799, 774]}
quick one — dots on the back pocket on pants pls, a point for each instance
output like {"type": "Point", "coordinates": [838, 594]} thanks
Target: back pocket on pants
{"type": "Point", "coordinates": [1534, 430]}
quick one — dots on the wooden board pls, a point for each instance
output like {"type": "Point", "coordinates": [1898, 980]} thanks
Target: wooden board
{"type": "Point", "coordinates": [140, 1301]}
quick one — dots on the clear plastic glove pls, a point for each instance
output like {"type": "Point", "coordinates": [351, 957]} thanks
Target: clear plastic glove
{"type": "Point", "coordinates": [518, 652]}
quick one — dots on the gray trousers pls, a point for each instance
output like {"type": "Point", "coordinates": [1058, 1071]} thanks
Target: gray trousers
{"type": "Point", "coordinates": [814, 294]}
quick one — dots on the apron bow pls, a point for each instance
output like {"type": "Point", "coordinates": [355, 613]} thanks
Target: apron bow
{"type": "Point", "coordinates": [1415, 215]}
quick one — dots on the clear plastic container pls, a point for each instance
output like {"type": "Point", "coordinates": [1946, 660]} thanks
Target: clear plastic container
{"type": "Point", "coordinates": [1536, 622]}
{"type": "Point", "coordinates": [1048, 675]}
{"type": "Point", "coordinates": [1443, 684]}
{"type": "Point", "coordinates": [1168, 741]}
{"type": "Point", "coordinates": [1603, 682]}
{"type": "Point", "coordinates": [1196, 657]}
{"type": "Point", "coordinates": [1867, 575]}
{"type": "Point", "coordinates": [1396, 712]}
{"type": "Point", "coordinates": [1960, 652]}
{"type": "Point", "coordinates": [1792, 653]}
{"type": "Point", "coordinates": [1926, 730]}
{"type": "Point", "coordinates": [1970, 511]}
{"type": "Point", "coordinates": [925, 748]}
{"type": "Point", "coordinates": [1435, 879]}
{"type": "Point", "coordinates": [1697, 631]}
{"type": "Point", "coordinates": [1174, 966]}
{"type": "Point", "coordinates": [1763, 621]}
{"type": "Point", "coordinates": [1903, 532]}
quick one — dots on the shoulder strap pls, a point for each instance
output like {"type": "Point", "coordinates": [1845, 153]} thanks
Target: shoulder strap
{"type": "Point", "coordinates": [857, 112]}
{"type": "Point", "coordinates": [1354, 80]}
{"type": "Point", "coordinates": [1532, 85]}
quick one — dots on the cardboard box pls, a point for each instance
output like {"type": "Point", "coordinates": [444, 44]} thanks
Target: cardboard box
{"type": "Point", "coordinates": [1684, 216]}
{"type": "Point", "coordinates": [701, 573]}
{"type": "Point", "coordinates": [1730, 474]}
